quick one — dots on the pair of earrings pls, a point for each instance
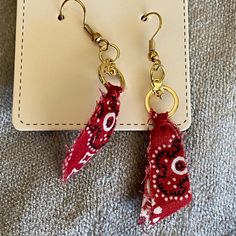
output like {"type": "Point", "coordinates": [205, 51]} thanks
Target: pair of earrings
{"type": "Point", "coordinates": [166, 184]}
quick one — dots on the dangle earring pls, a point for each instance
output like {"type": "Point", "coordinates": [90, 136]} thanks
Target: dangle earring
{"type": "Point", "coordinates": [102, 123]}
{"type": "Point", "coordinates": [166, 184]}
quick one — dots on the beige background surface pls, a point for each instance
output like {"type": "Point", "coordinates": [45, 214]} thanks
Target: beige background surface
{"type": "Point", "coordinates": [56, 82]}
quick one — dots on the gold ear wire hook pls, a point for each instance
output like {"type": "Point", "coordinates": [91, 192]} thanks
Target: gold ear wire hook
{"type": "Point", "coordinates": [96, 37]}
{"type": "Point", "coordinates": [62, 17]}
{"type": "Point", "coordinates": [145, 18]}
{"type": "Point", "coordinates": [153, 55]}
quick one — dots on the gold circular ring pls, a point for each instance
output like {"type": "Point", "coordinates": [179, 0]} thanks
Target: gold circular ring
{"type": "Point", "coordinates": [114, 71]}
{"type": "Point", "coordinates": [105, 59]}
{"type": "Point", "coordinates": [174, 95]}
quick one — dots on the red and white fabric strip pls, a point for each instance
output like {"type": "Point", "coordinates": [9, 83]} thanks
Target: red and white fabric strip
{"type": "Point", "coordinates": [96, 133]}
{"type": "Point", "coordinates": [167, 186]}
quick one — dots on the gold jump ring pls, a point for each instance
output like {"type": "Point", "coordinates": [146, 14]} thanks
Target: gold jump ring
{"type": "Point", "coordinates": [101, 56]}
{"type": "Point", "coordinates": [174, 95]}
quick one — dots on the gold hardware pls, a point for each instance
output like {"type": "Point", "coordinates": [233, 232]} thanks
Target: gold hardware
{"type": "Point", "coordinates": [158, 69]}
{"type": "Point", "coordinates": [95, 36]}
{"type": "Point", "coordinates": [101, 56]}
{"type": "Point", "coordinates": [171, 91]}
{"type": "Point", "coordinates": [62, 17]}
{"type": "Point", "coordinates": [157, 72]}
{"type": "Point", "coordinates": [153, 55]}
{"type": "Point", "coordinates": [108, 66]}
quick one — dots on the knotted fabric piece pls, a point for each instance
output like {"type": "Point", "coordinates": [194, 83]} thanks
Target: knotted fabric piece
{"type": "Point", "coordinates": [166, 185]}
{"type": "Point", "coordinates": [96, 134]}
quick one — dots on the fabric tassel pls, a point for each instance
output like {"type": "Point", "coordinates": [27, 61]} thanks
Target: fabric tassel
{"type": "Point", "coordinates": [96, 133]}
{"type": "Point", "coordinates": [166, 185]}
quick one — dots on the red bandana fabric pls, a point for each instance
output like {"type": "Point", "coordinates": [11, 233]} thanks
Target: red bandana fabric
{"type": "Point", "coordinates": [167, 186]}
{"type": "Point", "coordinates": [96, 133]}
